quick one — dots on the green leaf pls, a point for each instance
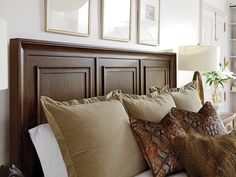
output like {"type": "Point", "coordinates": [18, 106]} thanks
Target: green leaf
{"type": "Point", "coordinates": [211, 82]}
{"type": "Point", "coordinates": [208, 80]}
{"type": "Point", "coordinates": [221, 84]}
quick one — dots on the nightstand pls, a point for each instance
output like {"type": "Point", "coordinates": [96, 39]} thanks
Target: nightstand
{"type": "Point", "coordinates": [13, 171]}
{"type": "Point", "coordinates": [4, 171]}
{"type": "Point", "coordinates": [229, 120]}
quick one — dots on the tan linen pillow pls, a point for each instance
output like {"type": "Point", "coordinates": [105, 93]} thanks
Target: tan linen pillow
{"type": "Point", "coordinates": [133, 96]}
{"type": "Point", "coordinates": [151, 109]}
{"type": "Point", "coordinates": [110, 95]}
{"type": "Point", "coordinates": [204, 156]}
{"type": "Point", "coordinates": [185, 97]}
{"type": "Point", "coordinates": [95, 139]}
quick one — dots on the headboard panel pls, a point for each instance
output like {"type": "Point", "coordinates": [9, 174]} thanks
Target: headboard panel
{"type": "Point", "coordinates": [64, 71]}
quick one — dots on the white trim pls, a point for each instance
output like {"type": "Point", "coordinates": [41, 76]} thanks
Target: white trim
{"type": "Point", "coordinates": [210, 7]}
{"type": "Point", "coordinates": [3, 55]}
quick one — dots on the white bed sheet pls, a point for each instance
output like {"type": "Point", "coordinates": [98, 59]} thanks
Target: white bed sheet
{"type": "Point", "coordinates": [149, 174]}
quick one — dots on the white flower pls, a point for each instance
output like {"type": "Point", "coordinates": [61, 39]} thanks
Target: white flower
{"type": "Point", "coordinates": [226, 73]}
{"type": "Point", "coordinates": [221, 74]}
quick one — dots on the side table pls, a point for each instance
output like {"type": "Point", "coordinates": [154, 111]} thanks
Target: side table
{"type": "Point", "coordinates": [13, 171]}
{"type": "Point", "coordinates": [229, 120]}
{"type": "Point", "coordinates": [4, 171]}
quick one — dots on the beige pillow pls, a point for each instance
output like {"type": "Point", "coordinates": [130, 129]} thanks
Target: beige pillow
{"type": "Point", "coordinates": [95, 139]}
{"type": "Point", "coordinates": [151, 109]}
{"type": "Point", "coordinates": [133, 96]}
{"type": "Point", "coordinates": [185, 97]}
{"type": "Point", "coordinates": [110, 95]}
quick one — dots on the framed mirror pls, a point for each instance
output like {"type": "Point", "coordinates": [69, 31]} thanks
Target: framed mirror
{"type": "Point", "coordinates": [116, 20]}
{"type": "Point", "coordinates": [68, 17]}
{"type": "Point", "coordinates": [148, 22]}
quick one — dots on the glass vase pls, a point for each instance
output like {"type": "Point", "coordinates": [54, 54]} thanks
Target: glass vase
{"type": "Point", "coordinates": [216, 96]}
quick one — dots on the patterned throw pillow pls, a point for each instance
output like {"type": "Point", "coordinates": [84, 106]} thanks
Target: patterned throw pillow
{"type": "Point", "coordinates": [205, 122]}
{"type": "Point", "coordinates": [154, 140]}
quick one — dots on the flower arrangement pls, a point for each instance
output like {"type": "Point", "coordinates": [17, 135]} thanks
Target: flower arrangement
{"type": "Point", "coordinates": [218, 78]}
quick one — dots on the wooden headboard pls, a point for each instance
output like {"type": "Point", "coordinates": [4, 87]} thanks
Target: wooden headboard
{"type": "Point", "coordinates": [64, 71]}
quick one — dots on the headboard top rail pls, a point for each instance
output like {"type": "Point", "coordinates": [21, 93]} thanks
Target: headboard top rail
{"type": "Point", "coordinates": [32, 42]}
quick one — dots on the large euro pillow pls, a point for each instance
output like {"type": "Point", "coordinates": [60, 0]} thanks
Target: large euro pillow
{"type": "Point", "coordinates": [95, 139]}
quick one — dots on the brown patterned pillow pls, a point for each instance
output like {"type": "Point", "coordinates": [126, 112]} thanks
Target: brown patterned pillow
{"type": "Point", "coordinates": [205, 122]}
{"type": "Point", "coordinates": [207, 156]}
{"type": "Point", "coordinates": [154, 139]}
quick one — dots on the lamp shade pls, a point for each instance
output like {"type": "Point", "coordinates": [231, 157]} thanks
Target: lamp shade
{"type": "Point", "coordinates": [3, 55]}
{"type": "Point", "coordinates": [199, 58]}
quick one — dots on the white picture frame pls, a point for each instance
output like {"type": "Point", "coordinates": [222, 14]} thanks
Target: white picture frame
{"type": "Point", "coordinates": [148, 22]}
{"type": "Point", "coordinates": [116, 20]}
{"type": "Point", "coordinates": [69, 17]}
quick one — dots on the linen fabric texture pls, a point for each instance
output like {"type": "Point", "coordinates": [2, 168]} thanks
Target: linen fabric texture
{"type": "Point", "coordinates": [48, 151]}
{"type": "Point", "coordinates": [95, 138]}
{"type": "Point", "coordinates": [146, 108]}
{"type": "Point", "coordinates": [185, 97]}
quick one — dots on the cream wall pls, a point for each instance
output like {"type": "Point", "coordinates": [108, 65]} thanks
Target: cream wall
{"type": "Point", "coordinates": [233, 2]}
{"type": "Point", "coordinates": [179, 26]}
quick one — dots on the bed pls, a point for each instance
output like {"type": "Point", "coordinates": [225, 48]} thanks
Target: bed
{"type": "Point", "coordinates": [64, 71]}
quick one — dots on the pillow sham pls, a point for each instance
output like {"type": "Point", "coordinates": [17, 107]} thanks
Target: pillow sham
{"type": "Point", "coordinates": [207, 156]}
{"type": "Point", "coordinates": [44, 129]}
{"type": "Point", "coordinates": [185, 97]}
{"type": "Point", "coordinates": [48, 151]}
{"type": "Point", "coordinates": [132, 96]}
{"type": "Point", "coordinates": [154, 139]}
{"type": "Point", "coordinates": [110, 95]}
{"type": "Point", "coordinates": [43, 138]}
{"type": "Point", "coordinates": [145, 108]}
{"type": "Point", "coordinates": [95, 139]}
{"type": "Point", "coordinates": [205, 122]}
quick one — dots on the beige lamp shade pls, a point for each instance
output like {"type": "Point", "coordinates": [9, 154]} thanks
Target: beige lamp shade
{"type": "Point", "coordinates": [3, 55]}
{"type": "Point", "coordinates": [199, 58]}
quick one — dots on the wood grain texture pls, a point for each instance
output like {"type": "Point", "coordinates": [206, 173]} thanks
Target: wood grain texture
{"type": "Point", "coordinates": [197, 77]}
{"type": "Point", "coordinates": [65, 71]}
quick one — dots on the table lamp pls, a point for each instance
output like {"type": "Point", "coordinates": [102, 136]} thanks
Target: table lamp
{"type": "Point", "coordinates": [199, 58]}
{"type": "Point", "coordinates": [3, 55]}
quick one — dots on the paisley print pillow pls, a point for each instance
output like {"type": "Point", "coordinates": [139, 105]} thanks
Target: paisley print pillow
{"type": "Point", "coordinates": [154, 139]}
{"type": "Point", "coordinates": [205, 122]}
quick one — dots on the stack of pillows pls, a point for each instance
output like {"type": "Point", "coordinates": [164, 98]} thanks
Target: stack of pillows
{"type": "Point", "coordinates": [122, 135]}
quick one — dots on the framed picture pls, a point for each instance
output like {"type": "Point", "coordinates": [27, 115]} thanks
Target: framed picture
{"type": "Point", "coordinates": [68, 16]}
{"type": "Point", "coordinates": [116, 20]}
{"type": "Point", "coordinates": [148, 22]}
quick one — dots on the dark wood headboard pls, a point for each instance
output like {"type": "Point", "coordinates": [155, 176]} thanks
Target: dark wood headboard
{"type": "Point", "coordinates": [64, 71]}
